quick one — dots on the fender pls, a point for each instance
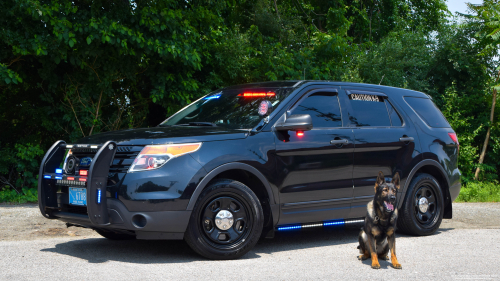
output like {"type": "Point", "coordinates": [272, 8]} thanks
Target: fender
{"type": "Point", "coordinates": [226, 167]}
{"type": "Point", "coordinates": [446, 193]}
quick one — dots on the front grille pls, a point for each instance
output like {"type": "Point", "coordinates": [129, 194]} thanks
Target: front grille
{"type": "Point", "coordinates": [124, 156]}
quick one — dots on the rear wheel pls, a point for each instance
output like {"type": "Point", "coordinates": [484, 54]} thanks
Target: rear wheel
{"type": "Point", "coordinates": [422, 210]}
{"type": "Point", "coordinates": [111, 235]}
{"type": "Point", "coordinates": [226, 222]}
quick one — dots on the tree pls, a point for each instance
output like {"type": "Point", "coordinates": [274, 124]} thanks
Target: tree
{"type": "Point", "coordinates": [488, 16]}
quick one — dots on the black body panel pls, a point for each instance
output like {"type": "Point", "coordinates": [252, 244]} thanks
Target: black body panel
{"type": "Point", "coordinates": [327, 173]}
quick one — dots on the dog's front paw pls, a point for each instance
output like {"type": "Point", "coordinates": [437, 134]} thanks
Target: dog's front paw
{"type": "Point", "coordinates": [375, 265]}
{"type": "Point", "coordinates": [397, 266]}
{"type": "Point", "coordinates": [363, 257]}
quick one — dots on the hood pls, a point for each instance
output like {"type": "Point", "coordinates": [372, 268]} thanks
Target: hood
{"type": "Point", "coordinates": [165, 135]}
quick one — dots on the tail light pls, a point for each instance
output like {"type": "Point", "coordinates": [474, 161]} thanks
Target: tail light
{"type": "Point", "coordinates": [454, 138]}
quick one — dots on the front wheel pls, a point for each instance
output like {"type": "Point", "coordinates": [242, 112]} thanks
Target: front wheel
{"type": "Point", "coordinates": [226, 222]}
{"type": "Point", "coordinates": [422, 210]}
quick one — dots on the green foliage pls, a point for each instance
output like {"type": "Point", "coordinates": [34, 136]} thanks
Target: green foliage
{"type": "Point", "coordinates": [480, 192]}
{"type": "Point", "coordinates": [26, 195]}
{"type": "Point", "coordinates": [70, 69]}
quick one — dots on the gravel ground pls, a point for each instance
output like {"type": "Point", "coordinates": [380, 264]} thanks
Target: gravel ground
{"type": "Point", "coordinates": [34, 248]}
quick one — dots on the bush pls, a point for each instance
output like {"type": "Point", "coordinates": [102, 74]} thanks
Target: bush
{"type": "Point", "coordinates": [26, 195]}
{"type": "Point", "coordinates": [480, 192]}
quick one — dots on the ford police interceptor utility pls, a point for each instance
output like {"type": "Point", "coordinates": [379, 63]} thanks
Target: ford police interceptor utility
{"type": "Point", "coordinates": [245, 161]}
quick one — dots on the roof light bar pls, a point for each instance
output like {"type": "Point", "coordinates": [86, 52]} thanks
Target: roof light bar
{"type": "Point", "coordinates": [256, 95]}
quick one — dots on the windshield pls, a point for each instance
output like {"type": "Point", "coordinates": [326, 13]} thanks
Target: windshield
{"type": "Point", "coordinates": [234, 109]}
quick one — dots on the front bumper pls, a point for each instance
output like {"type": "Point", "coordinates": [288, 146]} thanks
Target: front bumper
{"type": "Point", "coordinates": [145, 225]}
{"type": "Point", "coordinates": [101, 212]}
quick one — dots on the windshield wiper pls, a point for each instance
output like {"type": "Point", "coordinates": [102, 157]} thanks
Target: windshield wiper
{"type": "Point", "coordinates": [210, 124]}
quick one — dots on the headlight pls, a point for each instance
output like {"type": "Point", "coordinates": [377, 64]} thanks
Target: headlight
{"type": "Point", "coordinates": [155, 156]}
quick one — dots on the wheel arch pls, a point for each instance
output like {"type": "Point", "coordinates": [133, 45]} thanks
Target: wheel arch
{"type": "Point", "coordinates": [434, 169]}
{"type": "Point", "coordinates": [235, 171]}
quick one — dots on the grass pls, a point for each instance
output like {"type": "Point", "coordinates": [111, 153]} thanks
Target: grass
{"type": "Point", "coordinates": [480, 192]}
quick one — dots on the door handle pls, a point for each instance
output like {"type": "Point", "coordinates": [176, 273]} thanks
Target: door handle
{"type": "Point", "coordinates": [406, 139]}
{"type": "Point", "coordinates": [341, 141]}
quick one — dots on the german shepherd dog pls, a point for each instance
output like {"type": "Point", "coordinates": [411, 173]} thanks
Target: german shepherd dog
{"type": "Point", "coordinates": [377, 236]}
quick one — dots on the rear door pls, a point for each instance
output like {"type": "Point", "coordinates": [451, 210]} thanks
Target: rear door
{"type": "Point", "coordinates": [383, 142]}
{"type": "Point", "coordinates": [314, 170]}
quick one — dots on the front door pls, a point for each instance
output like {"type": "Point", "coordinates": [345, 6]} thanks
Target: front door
{"type": "Point", "coordinates": [383, 142]}
{"type": "Point", "coordinates": [315, 169]}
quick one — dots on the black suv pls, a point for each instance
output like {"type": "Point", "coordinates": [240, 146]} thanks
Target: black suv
{"type": "Point", "coordinates": [245, 161]}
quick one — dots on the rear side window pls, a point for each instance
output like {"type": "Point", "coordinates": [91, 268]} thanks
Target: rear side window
{"type": "Point", "coordinates": [369, 109]}
{"type": "Point", "coordinates": [395, 118]}
{"type": "Point", "coordinates": [428, 112]}
{"type": "Point", "coordinates": [324, 109]}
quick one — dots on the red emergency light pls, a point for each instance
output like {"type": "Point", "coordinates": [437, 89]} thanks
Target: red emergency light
{"type": "Point", "coordinates": [257, 95]}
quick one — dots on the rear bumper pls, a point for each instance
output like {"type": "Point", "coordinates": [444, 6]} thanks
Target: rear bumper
{"type": "Point", "coordinates": [145, 225]}
{"type": "Point", "coordinates": [455, 190]}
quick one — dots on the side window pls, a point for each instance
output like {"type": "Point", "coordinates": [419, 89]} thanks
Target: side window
{"type": "Point", "coordinates": [324, 109]}
{"type": "Point", "coordinates": [395, 118]}
{"type": "Point", "coordinates": [428, 111]}
{"type": "Point", "coordinates": [369, 109]}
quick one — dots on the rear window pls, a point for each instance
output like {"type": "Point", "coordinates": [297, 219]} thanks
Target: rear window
{"type": "Point", "coordinates": [369, 110]}
{"type": "Point", "coordinates": [428, 111]}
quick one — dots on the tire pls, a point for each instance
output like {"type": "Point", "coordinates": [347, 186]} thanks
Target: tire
{"type": "Point", "coordinates": [114, 235]}
{"type": "Point", "coordinates": [205, 233]}
{"type": "Point", "coordinates": [413, 220]}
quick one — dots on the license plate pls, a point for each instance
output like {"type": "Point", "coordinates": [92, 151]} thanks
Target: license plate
{"type": "Point", "coordinates": [78, 196]}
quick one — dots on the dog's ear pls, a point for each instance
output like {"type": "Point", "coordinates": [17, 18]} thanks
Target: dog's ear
{"type": "Point", "coordinates": [380, 180]}
{"type": "Point", "coordinates": [395, 180]}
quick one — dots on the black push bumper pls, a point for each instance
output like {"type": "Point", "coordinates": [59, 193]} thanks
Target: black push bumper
{"type": "Point", "coordinates": [101, 212]}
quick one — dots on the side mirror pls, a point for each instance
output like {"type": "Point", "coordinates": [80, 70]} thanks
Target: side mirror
{"type": "Point", "coordinates": [297, 122]}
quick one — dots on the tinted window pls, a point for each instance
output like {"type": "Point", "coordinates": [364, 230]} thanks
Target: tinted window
{"type": "Point", "coordinates": [428, 111]}
{"type": "Point", "coordinates": [395, 118]}
{"type": "Point", "coordinates": [368, 110]}
{"type": "Point", "coordinates": [324, 109]}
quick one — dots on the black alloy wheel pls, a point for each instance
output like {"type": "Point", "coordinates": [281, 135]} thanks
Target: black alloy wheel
{"type": "Point", "coordinates": [425, 205]}
{"type": "Point", "coordinates": [422, 210]}
{"type": "Point", "coordinates": [226, 222]}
